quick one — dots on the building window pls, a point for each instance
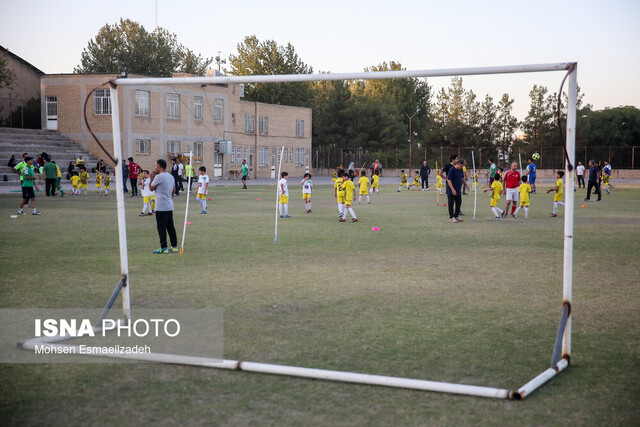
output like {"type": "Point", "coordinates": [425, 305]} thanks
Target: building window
{"type": "Point", "coordinates": [197, 149]}
{"type": "Point", "coordinates": [263, 156]}
{"type": "Point", "coordinates": [218, 109]}
{"type": "Point", "coordinates": [284, 157]}
{"type": "Point", "coordinates": [232, 159]}
{"type": "Point", "coordinates": [52, 105]}
{"type": "Point", "coordinates": [173, 106]}
{"type": "Point", "coordinates": [238, 155]}
{"type": "Point", "coordinates": [143, 146]}
{"type": "Point", "coordinates": [263, 125]}
{"type": "Point", "coordinates": [233, 118]}
{"type": "Point", "coordinates": [250, 124]}
{"type": "Point", "coordinates": [102, 101]}
{"type": "Point", "coordinates": [299, 127]}
{"type": "Point", "coordinates": [142, 102]}
{"type": "Point", "coordinates": [173, 147]}
{"type": "Point", "coordinates": [299, 156]}
{"type": "Point", "coordinates": [197, 108]}
{"type": "Point", "coordinates": [291, 155]}
{"type": "Point", "coordinates": [273, 157]}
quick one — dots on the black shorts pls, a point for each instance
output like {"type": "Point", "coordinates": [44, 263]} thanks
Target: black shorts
{"type": "Point", "coordinates": [244, 177]}
{"type": "Point", "coordinates": [27, 193]}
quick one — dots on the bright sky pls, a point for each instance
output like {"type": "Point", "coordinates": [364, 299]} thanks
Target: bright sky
{"type": "Point", "coordinates": [347, 36]}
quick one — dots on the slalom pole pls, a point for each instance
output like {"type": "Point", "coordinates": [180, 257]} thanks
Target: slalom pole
{"type": "Point", "coordinates": [520, 161]}
{"type": "Point", "coordinates": [186, 209]}
{"type": "Point", "coordinates": [275, 239]}
{"type": "Point", "coordinates": [475, 186]}
{"type": "Point", "coordinates": [438, 190]}
{"type": "Point", "coordinates": [99, 172]}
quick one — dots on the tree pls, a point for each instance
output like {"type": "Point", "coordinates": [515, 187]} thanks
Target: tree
{"type": "Point", "coordinates": [6, 75]}
{"type": "Point", "coordinates": [488, 131]}
{"type": "Point", "coordinates": [506, 123]}
{"type": "Point", "coordinates": [127, 46]}
{"type": "Point", "coordinates": [539, 127]}
{"type": "Point", "coordinates": [263, 58]}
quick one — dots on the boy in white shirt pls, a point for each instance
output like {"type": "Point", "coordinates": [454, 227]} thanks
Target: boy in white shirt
{"type": "Point", "coordinates": [307, 187]}
{"type": "Point", "coordinates": [145, 182]}
{"type": "Point", "coordinates": [283, 193]}
{"type": "Point", "coordinates": [203, 188]}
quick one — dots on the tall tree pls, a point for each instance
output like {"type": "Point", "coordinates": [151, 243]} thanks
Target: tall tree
{"type": "Point", "coordinates": [263, 58]}
{"type": "Point", "coordinates": [538, 126]}
{"type": "Point", "coordinates": [488, 123]}
{"type": "Point", "coordinates": [506, 122]}
{"type": "Point", "coordinates": [127, 46]}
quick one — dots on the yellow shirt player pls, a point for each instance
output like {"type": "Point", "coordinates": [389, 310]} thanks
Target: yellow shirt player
{"type": "Point", "coordinates": [496, 189]}
{"type": "Point", "coordinates": [338, 193]}
{"type": "Point", "coordinates": [363, 182]}
{"type": "Point", "coordinates": [75, 181]}
{"type": "Point", "coordinates": [524, 189]}
{"type": "Point", "coordinates": [99, 181]}
{"type": "Point", "coordinates": [349, 189]}
{"type": "Point", "coordinates": [557, 199]}
{"type": "Point", "coordinates": [403, 180]}
{"type": "Point", "coordinates": [84, 180]}
{"type": "Point", "coordinates": [334, 176]}
{"type": "Point", "coordinates": [439, 183]}
{"type": "Point", "coordinates": [375, 179]}
{"type": "Point", "coordinates": [416, 180]}
{"type": "Point", "coordinates": [107, 183]}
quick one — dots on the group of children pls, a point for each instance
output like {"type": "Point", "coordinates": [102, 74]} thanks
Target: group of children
{"type": "Point", "coordinates": [149, 195]}
{"type": "Point", "coordinates": [524, 190]}
{"type": "Point", "coordinates": [403, 181]}
{"type": "Point", "coordinates": [79, 181]}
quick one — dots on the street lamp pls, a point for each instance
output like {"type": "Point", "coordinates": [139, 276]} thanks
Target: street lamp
{"type": "Point", "coordinates": [410, 117]}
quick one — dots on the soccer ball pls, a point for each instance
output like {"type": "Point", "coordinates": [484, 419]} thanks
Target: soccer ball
{"type": "Point", "coordinates": [535, 156]}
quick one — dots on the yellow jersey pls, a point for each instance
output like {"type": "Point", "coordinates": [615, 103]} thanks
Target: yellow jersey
{"type": "Point", "coordinates": [98, 179]}
{"type": "Point", "coordinates": [84, 177]}
{"type": "Point", "coordinates": [348, 187]}
{"type": "Point", "coordinates": [338, 187]}
{"type": "Point", "coordinates": [374, 180]}
{"type": "Point", "coordinates": [524, 191]}
{"type": "Point", "coordinates": [496, 186]}
{"type": "Point", "coordinates": [416, 180]}
{"type": "Point", "coordinates": [74, 181]}
{"type": "Point", "coordinates": [438, 181]}
{"type": "Point", "coordinates": [363, 182]}
{"type": "Point", "coordinates": [403, 178]}
{"type": "Point", "coordinates": [58, 173]}
{"type": "Point", "coordinates": [560, 191]}
{"type": "Point", "coordinates": [107, 181]}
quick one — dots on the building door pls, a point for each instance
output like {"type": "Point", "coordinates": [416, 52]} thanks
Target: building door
{"type": "Point", "coordinates": [251, 171]}
{"type": "Point", "coordinates": [52, 112]}
{"type": "Point", "coordinates": [217, 165]}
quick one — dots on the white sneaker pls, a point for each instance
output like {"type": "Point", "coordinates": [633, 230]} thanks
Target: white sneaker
{"type": "Point", "coordinates": [20, 212]}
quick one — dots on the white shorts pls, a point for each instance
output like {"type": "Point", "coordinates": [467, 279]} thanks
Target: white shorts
{"type": "Point", "coordinates": [513, 194]}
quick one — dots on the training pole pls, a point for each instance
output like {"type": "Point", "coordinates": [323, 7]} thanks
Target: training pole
{"type": "Point", "coordinates": [275, 239]}
{"type": "Point", "coordinates": [475, 186]}
{"type": "Point", "coordinates": [99, 168]}
{"type": "Point", "coordinates": [437, 189]}
{"type": "Point", "coordinates": [186, 209]}
{"type": "Point", "coordinates": [122, 224]}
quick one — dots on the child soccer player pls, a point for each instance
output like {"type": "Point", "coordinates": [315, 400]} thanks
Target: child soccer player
{"type": "Point", "coordinates": [58, 180]}
{"type": "Point", "coordinates": [375, 179]}
{"type": "Point", "coordinates": [557, 199]}
{"type": "Point", "coordinates": [75, 181]}
{"type": "Point", "coordinates": [84, 180]}
{"type": "Point", "coordinates": [283, 192]}
{"type": "Point", "coordinates": [403, 180]}
{"type": "Point", "coordinates": [363, 182]}
{"type": "Point", "coordinates": [99, 182]}
{"type": "Point", "coordinates": [203, 188]}
{"type": "Point", "coordinates": [307, 186]}
{"type": "Point", "coordinates": [439, 183]}
{"type": "Point", "coordinates": [416, 181]}
{"type": "Point", "coordinates": [338, 193]}
{"type": "Point", "coordinates": [107, 183]}
{"type": "Point", "coordinates": [606, 176]}
{"type": "Point", "coordinates": [349, 189]}
{"type": "Point", "coordinates": [496, 189]}
{"type": "Point", "coordinates": [524, 189]}
{"type": "Point", "coordinates": [145, 190]}
{"type": "Point", "coordinates": [334, 176]}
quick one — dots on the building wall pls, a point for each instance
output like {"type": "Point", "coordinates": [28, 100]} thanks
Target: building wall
{"type": "Point", "coordinates": [26, 84]}
{"type": "Point", "coordinates": [71, 91]}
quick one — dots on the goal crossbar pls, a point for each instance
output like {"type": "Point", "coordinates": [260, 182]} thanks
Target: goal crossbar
{"type": "Point", "coordinates": [560, 360]}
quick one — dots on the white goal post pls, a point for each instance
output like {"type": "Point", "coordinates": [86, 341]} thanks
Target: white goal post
{"type": "Point", "coordinates": [562, 348]}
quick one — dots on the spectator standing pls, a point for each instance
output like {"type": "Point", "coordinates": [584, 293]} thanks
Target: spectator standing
{"type": "Point", "coordinates": [134, 170]}
{"type": "Point", "coordinates": [125, 174]}
{"type": "Point", "coordinates": [164, 186]}
{"type": "Point", "coordinates": [425, 171]}
{"type": "Point", "coordinates": [181, 175]}
{"type": "Point", "coordinates": [594, 180]}
{"type": "Point", "coordinates": [376, 168]}
{"type": "Point", "coordinates": [189, 172]}
{"type": "Point", "coordinates": [28, 183]}
{"type": "Point", "coordinates": [12, 161]}
{"type": "Point", "coordinates": [491, 173]}
{"type": "Point", "coordinates": [580, 175]}
{"type": "Point", "coordinates": [245, 172]}
{"type": "Point", "coordinates": [175, 170]}
{"type": "Point", "coordinates": [50, 172]}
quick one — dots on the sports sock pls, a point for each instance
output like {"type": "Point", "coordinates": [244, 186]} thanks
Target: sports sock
{"type": "Point", "coordinates": [526, 212]}
{"type": "Point", "coordinates": [309, 205]}
{"type": "Point", "coordinates": [353, 215]}
{"type": "Point", "coordinates": [555, 207]}
{"type": "Point", "coordinates": [204, 204]}
{"type": "Point", "coordinates": [368, 199]}
{"type": "Point", "coordinates": [517, 210]}
{"type": "Point", "coordinates": [280, 208]}
{"type": "Point", "coordinates": [495, 211]}
{"type": "Point", "coordinates": [360, 198]}
{"type": "Point", "coordinates": [513, 208]}
{"type": "Point", "coordinates": [286, 209]}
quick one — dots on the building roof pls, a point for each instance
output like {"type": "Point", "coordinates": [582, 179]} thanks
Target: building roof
{"type": "Point", "coordinates": [8, 52]}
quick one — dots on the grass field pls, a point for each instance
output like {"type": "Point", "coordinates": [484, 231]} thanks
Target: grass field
{"type": "Point", "coordinates": [476, 303]}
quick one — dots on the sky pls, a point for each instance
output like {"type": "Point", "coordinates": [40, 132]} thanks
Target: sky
{"type": "Point", "coordinates": [350, 35]}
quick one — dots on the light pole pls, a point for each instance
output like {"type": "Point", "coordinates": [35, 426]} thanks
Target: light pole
{"type": "Point", "coordinates": [410, 117]}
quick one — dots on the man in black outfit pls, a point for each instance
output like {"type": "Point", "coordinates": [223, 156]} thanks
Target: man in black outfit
{"type": "Point", "coordinates": [425, 171]}
{"type": "Point", "coordinates": [445, 172]}
{"type": "Point", "coordinates": [175, 172]}
{"type": "Point", "coordinates": [594, 180]}
{"type": "Point", "coordinates": [455, 181]}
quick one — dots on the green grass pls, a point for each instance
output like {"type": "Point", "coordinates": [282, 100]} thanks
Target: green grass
{"type": "Point", "coordinates": [475, 303]}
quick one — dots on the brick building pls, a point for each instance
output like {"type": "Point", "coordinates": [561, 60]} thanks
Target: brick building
{"type": "Point", "coordinates": [160, 121]}
{"type": "Point", "coordinates": [26, 84]}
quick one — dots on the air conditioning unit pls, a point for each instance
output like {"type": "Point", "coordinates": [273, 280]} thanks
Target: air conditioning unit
{"type": "Point", "coordinates": [224, 147]}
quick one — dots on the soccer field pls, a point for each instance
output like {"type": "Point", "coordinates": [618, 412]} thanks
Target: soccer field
{"type": "Point", "coordinates": [474, 303]}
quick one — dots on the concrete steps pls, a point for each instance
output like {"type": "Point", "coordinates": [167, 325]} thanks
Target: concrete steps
{"type": "Point", "coordinates": [33, 141]}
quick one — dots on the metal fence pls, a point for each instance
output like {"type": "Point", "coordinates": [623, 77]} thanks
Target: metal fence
{"type": "Point", "coordinates": [403, 158]}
